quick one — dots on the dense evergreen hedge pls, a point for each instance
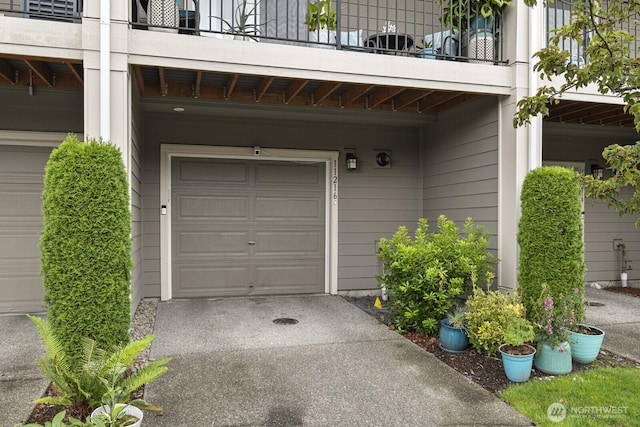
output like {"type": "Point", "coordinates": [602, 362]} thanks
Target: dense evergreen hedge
{"type": "Point", "coordinates": [550, 236]}
{"type": "Point", "coordinates": [86, 244]}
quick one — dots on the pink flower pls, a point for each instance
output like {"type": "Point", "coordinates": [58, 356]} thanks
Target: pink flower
{"type": "Point", "coordinates": [548, 303]}
{"type": "Point", "coordinates": [576, 290]}
{"type": "Point", "coordinates": [560, 350]}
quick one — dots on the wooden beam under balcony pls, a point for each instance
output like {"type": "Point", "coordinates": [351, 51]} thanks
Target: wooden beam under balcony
{"type": "Point", "coordinates": [262, 88]}
{"type": "Point", "coordinates": [41, 70]}
{"type": "Point", "coordinates": [353, 93]}
{"type": "Point", "coordinates": [137, 71]}
{"type": "Point", "coordinates": [294, 88]}
{"type": "Point", "coordinates": [6, 71]}
{"type": "Point", "coordinates": [410, 97]}
{"type": "Point", "coordinates": [164, 87]}
{"type": "Point", "coordinates": [231, 85]}
{"type": "Point", "coordinates": [383, 94]}
{"type": "Point", "coordinates": [76, 71]}
{"type": "Point", "coordinates": [324, 91]}
{"type": "Point", "coordinates": [197, 84]}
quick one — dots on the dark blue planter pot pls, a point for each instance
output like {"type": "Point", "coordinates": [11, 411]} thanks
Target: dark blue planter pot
{"type": "Point", "coordinates": [517, 368]}
{"type": "Point", "coordinates": [452, 340]}
{"type": "Point", "coordinates": [584, 347]}
{"type": "Point", "coordinates": [553, 360]}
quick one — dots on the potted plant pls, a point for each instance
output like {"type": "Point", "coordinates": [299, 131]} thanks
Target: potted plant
{"type": "Point", "coordinates": [585, 341]}
{"type": "Point", "coordinates": [517, 354]}
{"type": "Point", "coordinates": [427, 51]}
{"type": "Point", "coordinates": [244, 23]}
{"type": "Point", "coordinates": [99, 375]}
{"type": "Point", "coordinates": [321, 20]}
{"type": "Point", "coordinates": [453, 338]}
{"type": "Point", "coordinates": [114, 413]}
{"type": "Point", "coordinates": [552, 322]}
{"type": "Point", "coordinates": [473, 15]}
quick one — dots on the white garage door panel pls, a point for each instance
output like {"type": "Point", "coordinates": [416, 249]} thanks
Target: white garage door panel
{"type": "Point", "coordinates": [21, 176]}
{"type": "Point", "coordinates": [262, 231]}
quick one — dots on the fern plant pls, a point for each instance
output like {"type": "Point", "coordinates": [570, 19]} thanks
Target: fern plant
{"type": "Point", "coordinates": [100, 375]}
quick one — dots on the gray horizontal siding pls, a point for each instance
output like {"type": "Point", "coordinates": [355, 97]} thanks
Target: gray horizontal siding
{"type": "Point", "coordinates": [135, 158]}
{"type": "Point", "coordinates": [461, 166]}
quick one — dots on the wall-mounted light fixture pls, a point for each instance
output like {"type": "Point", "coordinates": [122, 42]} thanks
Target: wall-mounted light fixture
{"type": "Point", "coordinates": [597, 171]}
{"type": "Point", "coordinates": [383, 158]}
{"type": "Point", "coordinates": [352, 162]}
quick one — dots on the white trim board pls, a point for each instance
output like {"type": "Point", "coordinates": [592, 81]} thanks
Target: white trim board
{"type": "Point", "coordinates": [330, 158]}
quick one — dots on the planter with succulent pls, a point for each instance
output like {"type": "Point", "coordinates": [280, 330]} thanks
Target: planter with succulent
{"type": "Point", "coordinates": [244, 25]}
{"type": "Point", "coordinates": [321, 20]}
{"type": "Point", "coordinates": [427, 51]}
{"type": "Point", "coordinates": [453, 338]}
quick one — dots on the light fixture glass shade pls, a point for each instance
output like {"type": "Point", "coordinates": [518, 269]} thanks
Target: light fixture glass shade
{"type": "Point", "coordinates": [352, 162]}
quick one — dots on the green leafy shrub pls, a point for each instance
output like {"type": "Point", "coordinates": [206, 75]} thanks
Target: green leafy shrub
{"type": "Point", "coordinates": [426, 273]}
{"type": "Point", "coordinates": [550, 238]}
{"type": "Point", "coordinates": [489, 316]}
{"type": "Point", "coordinates": [101, 374]}
{"type": "Point", "coordinates": [86, 245]}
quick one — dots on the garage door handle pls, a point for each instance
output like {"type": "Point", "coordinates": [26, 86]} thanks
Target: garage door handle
{"type": "Point", "coordinates": [252, 242]}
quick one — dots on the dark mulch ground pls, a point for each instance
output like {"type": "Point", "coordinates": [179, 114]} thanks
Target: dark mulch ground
{"type": "Point", "coordinates": [635, 292]}
{"type": "Point", "coordinates": [484, 370]}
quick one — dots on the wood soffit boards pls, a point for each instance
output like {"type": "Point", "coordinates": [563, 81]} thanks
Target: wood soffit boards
{"type": "Point", "coordinates": [167, 82]}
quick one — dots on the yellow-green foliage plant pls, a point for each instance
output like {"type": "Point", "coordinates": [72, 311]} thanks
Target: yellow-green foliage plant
{"type": "Point", "coordinates": [426, 273]}
{"type": "Point", "coordinates": [550, 238]}
{"type": "Point", "coordinates": [86, 245]}
{"type": "Point", "coordinates": [489, 315]}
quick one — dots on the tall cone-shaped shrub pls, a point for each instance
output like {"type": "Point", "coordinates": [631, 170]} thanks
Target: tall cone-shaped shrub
{"type": "Point", "coordinates": [86, 244]}
{"type": "Point", "coordinates": [550, 236]}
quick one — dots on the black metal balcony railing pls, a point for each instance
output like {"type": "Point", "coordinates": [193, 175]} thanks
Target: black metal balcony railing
{"type": "Point", "coordinates": [401, 27]}
{"type": "Point", "coordinates": [58, 10]}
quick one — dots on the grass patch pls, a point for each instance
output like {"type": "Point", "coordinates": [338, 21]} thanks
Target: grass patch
{"type": "Point", "coordinates": [598, 397]}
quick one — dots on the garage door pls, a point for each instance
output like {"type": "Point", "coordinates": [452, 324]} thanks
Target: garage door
{"type": "Point", "coordinates": [243, 227]}
{"type": "Point", "coordinates": [21, 174]}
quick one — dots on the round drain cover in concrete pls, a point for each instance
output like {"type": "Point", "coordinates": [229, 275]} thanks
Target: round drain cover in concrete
{"type": "Point", "coordinates": [596, 304]}
{"type": "Point", "coordinates": [285, 321]}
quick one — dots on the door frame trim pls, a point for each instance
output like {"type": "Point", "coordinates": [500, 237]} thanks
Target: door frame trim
{"type": "Point", "coordinates": [329, 158]}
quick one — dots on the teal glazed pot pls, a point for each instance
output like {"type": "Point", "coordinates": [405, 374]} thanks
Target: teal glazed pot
{"type": "Point", "coordinates": [517, 368]}
{"type": "Point", "coordinates": [452, 340]}
{"type": "Point", "coordinates": [553, 360]}
{"type": "Point", "coordinates": [585, 347]}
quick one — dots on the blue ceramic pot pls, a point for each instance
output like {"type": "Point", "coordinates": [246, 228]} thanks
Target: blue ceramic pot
{"type": "Point", "coordinates": [584, 347]}
{"type": "Point", "coordinates": [553, 360]}
{"type": "Point", "coordinates": [517, 368]}
{"type": "Point", "coordinates": [452, 340]}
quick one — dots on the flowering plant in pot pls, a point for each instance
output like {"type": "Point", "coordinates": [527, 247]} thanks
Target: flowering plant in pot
{"type": "Point", "coordinates": [553, 320]}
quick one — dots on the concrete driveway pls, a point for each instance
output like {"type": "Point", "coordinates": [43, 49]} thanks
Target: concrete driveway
{"type": "Point", "coordinates": [232, 366]}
